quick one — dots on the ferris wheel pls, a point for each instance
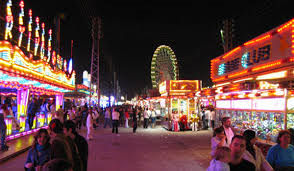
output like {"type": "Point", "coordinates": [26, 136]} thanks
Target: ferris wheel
{"type": "Point", "coordinates": [164, 66]}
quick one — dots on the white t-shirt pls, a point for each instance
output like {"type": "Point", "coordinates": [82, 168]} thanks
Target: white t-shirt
{"type": "Point", "coordinates": [146, 114]}
{"type": "Point", "coordinates": [207, 114]}
{"type": "Point", "coordinates": [115, 115]}
{"type": "Point", "coordinates": [212, 115]}
{"type": "Point", "coordinates": [229, 134]}
{"type": "Point", "coordinates": [107, 114]}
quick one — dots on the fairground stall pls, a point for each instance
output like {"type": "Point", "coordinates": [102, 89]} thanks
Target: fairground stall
{"type": "Point", "coordinates": [206, 97]}
{"type": "Point", "coordinates": [254, 82]}
{"type": "Point", "coordinates": [180, 101]}
{"type": "Point", "coordinates": [80, 97]}
{"type": "Point", "coordinates": [30, 70]}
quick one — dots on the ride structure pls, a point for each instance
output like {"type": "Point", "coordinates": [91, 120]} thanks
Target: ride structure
{"type": "Point", "coordinates": [30, 69]}
{"type": "Point", "coordinates": [164, 66]}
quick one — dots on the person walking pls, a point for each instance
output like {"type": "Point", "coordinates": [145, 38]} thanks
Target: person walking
{"type": "Point", "coordinates": [207, 118]}
{"type": "Point", "coordinates": [107, 118]}
{"type": "Point", "coordinates": [212, 117]}
{"type": "Point", "coordinates": [79, 118]}
{"type": "Point", "coordinates": [115, 120]}
{"type": "Point", "coordinates": [127, 116]}
{"type": "Point", "coordinates": [139, 116]}
{"type": "Point", "coordinates": [135, 124]}
{"type": "Point", "coordinates": [90, 123]}
{"type": "Point", "coordinates": [146, 117]}
{"type": "Point", "coordinates": [39, 153]}
{"type": "Point", "coordinates": [153, 118]}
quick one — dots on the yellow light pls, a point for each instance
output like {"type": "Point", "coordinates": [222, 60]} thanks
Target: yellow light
{"type": "Point", "coordinates": [279, 92]}
{"type": "Point", "coordinates": [274, 75]}
{"type": "Point", "coordinates": [264, 94]}
{"type": "Point", "coordinates": [243, 80]}
{"type": "Point", "coordinates": [251, 95]}
{"type": "Point", "coordinates": [217, 85]}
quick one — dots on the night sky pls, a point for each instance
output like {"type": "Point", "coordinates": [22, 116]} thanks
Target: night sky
{"type": "Point", "coordinates": [132, 32]}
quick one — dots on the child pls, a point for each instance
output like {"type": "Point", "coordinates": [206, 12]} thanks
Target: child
{"type": "Point", "coordinates": [221, 158]}
{"type": "Point", "coordinates": [218, 140]}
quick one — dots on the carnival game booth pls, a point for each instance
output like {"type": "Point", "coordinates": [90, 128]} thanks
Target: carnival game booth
{"type": "Point", "coordinates": [254, 83]}
{"type": "Point", "coordinates": [29, 67]}
{"type": "Point", "coordinates": [206, 98]}
{"type": "Point", "coordinates": [180, 101]}
{"type": "Point", "coordinates": [80, 96]}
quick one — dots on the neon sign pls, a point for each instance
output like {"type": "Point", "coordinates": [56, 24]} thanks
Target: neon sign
{"type": "Point", "coordinates": [271, 50]}
{"type": "Point", "coordinates": [37, 36]}
{"type": "Point", "coordinates": [9, 20]}
{"type": "Point", "coordinates": [49, 45]}
{"type": "Point", "coordinates": [43, 41]}
{"type": "Point", "coordinates": [70, 66]}
{"type": "Point", "coordinates": [64, 65]}
{"type": "Point", "coordinates": [246, 60]}
{"type": "Point", "coordinates": [30, 30]}
{"type": "Point", "coordinates": [21, 23]}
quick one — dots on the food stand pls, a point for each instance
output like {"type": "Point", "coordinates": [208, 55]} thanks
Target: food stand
{"type": "Point", "coordinates": [254, 83]}
{"type": "Point", "coordinates": [180, 100]}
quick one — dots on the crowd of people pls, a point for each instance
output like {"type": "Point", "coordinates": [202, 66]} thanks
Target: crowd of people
{"type": "Point", "coordinates": [62, 148]}
{"type": "Point", "coordinates": [232, 151]}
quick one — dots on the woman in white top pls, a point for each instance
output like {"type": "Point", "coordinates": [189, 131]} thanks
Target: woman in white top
{"type": "Point", "coordinates": [90, 125]}
{"type": "Point", "coordinates": [253, 154]}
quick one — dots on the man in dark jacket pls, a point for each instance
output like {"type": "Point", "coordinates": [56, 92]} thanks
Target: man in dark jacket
{"type": "Point", "coordinates": [69, 129]}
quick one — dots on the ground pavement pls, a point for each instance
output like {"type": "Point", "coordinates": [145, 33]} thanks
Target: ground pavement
{"type": "Point", "coordinates": [148, 149]}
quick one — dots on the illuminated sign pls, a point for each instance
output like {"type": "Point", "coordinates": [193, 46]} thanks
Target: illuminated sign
{"type": "Point", "coordinates": [49, 45]}
{"type": "Point", "coordinates": [21, 23]}
{"type": "Point", "coordinates": [9, 21]}
{"type": "Point", "coordinates": [268, 51]}
{"type": "Point", "coordinates": [179, 87]}
{"type": "Point", "coordinates": [30, 30]}
{"type": "Point", "coordinates": [37, 36]}
{"type": "Point", "coordinates": [247, 59]}
{"type": "Point", "coordinates": [242, 104]}
{"type": "Point", "coordinates": [290, 103]}
{"type": "Point", "coordinates": [273, 104]}
{"type": "Point", "coordinates": [162, 87]}
{"type": "Point", "coordinates": [223, 104]}
{"type": "Point", "coordinates": [269, 104]}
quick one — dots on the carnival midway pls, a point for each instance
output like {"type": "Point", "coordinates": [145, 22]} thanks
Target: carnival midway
{"type": "Point", "coordinates": [56, 122]}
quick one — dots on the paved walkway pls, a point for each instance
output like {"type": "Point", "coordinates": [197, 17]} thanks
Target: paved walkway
{"type": "Point", "coordinates": [16, 147]}
{"type": "Point", "coordinates": [148, 149]}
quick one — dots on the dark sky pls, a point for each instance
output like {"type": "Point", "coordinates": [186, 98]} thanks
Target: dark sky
{"type": "Point", "coordinates": [132, 32]}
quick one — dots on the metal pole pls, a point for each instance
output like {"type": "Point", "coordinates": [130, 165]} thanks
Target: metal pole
{"type": "Point", "coordinates": [98, 56]}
